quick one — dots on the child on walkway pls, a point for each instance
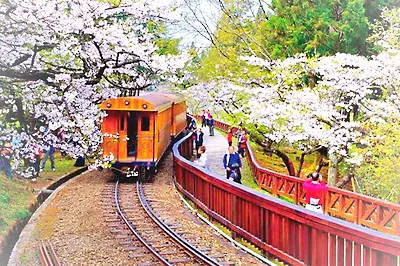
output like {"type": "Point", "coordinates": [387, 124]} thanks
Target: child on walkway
{"type": "Point", "coordinates": [202, 161]}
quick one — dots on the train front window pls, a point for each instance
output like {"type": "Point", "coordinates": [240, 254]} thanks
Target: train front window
{"type": "Point", "coordinates": [145, 123]}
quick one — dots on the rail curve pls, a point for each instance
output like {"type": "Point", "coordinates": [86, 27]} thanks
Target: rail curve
{"type": "Point", "coordinates": [179, 250]}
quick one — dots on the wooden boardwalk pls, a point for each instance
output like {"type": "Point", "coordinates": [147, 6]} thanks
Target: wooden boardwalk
{"type": "Point", "coordinates": [216, 147]}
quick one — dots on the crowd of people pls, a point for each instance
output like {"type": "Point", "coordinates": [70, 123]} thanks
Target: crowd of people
{"type": "Point", "coordinates": [231, 161]}
{"type": "Point", "coordinates": [32, 157]}
{"type": "Point", "coordinates": [314, 187]}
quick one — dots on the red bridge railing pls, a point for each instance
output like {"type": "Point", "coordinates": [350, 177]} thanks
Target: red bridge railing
{"type": "Point", "coordinates": [353, 207]}
{"type": "Point", "coordinates": [289, 232]}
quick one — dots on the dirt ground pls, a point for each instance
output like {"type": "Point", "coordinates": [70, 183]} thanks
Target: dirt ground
{"type": "Point", "coordinates": [74, 221]}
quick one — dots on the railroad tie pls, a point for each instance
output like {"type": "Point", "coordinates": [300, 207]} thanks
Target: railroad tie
{"type": "Point", "coordinates": [162, 246]}
{"type": "Point", "coordinates": [180, 260]}
{"type": "Point", "coordinates": [132, 248]}
{"type": "Point", "coordinates": [140, 255]}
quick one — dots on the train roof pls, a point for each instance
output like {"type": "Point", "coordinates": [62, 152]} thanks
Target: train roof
{"type": "Point", "coordinates": [173, 97]}
{"type": "Point", "coordinates": [148, 102]}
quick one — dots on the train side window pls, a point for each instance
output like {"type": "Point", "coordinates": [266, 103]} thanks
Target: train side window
{"type": "Point", "coordinates": [145, 123]}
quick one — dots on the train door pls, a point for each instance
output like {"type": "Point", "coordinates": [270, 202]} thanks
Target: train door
{"type": "Point", "coordinates": [109, 128]}
{"type": "Point", "coordinates": [132, 134]}
{"type": "Point", "coordinates": [145, 136]}
{"type": "Point", "coordinates": [123, 134]}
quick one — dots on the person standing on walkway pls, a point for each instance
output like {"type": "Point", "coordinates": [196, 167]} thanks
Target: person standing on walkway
{"type": "Point", "coordinates": [49, 151]}
{"type": "Point", "coordinates": [198, 140]}
{"type": "Point", "coordinates": [208, 117]}
{"type": "Point", "coordinates": [202, 161]}
{"type": "Point", "coordinates": [242, 143]}
{"type": "Point", "coordinates": [233, 164]}
{"type": "Point", "coordinates": [203, 119]}
{"type": "Point", "coordinates": [211, 125]}
{"type": "Point", "coordinates": [315, 188]}
{"type": "Point", "coordinates": [34, 159]}
{"type": "Point", "coordinates": [230, 137]}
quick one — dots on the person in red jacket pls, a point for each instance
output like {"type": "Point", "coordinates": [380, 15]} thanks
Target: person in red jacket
{"type": "Point", "coordinates": [229, 137]}
{"type": "Point", "coordinates": [242, 143]}
{"type": "Point", "coordinates": [315, 189]}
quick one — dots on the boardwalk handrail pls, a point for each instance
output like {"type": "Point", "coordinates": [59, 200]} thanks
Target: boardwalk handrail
{"type": "Point", "coordinates": [289, 232]}
{"type": "Point", "coordinates": [374, 213]}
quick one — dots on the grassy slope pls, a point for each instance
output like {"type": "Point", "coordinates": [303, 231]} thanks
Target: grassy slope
{"type": "Point", "coordinates": [16, 194]}
{"type": "Point", "coordinates": [15, 198]}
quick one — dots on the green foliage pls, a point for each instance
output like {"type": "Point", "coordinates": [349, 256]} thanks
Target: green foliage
{"type": "Point", "coordinates": [5, 198]}
{"type": "Point", "coordinates": [21, 214]}
{"type": "Point", "coordinates": [379, 175]}
{"type": "Point", "coordinates": [165, 44]}
{"type": "Point", "coordinates": [315, 28]}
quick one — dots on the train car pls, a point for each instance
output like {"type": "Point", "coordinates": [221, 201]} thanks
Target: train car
{"type": "Point", "coordinates": [137, 131]}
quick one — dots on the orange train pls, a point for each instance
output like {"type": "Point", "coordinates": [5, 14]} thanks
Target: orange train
{"type": "Point", "coordinates": [137, 131]}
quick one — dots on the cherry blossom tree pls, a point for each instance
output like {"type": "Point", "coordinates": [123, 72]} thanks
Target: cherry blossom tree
{"type": "Point", "coordinates": [386, 31]}
{"type": "Point", "coordinates": [62, 58]}
{"type": "Point", "coordinates": [321, 102]}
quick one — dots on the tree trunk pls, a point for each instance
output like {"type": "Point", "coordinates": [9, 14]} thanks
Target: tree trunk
{"type": "Point", "coordinates": [288, 163]}
{"type": "Point", "coordinates": [301, 164]}
{"type": "Point", "coordinates": [267, 147]}
{"type": "Point", "coordinates": [333, 169]}
{"type": "Point", "coordinates": [303, 155]}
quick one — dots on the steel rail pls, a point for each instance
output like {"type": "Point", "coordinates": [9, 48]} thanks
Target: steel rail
{"type": "Point", "coordinates": [47, 254]}
{"type": "Point", "coordinates": [132, 229]}
{"type": "Point", "coordinates": [178, 239]}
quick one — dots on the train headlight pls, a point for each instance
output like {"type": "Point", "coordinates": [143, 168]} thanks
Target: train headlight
{"type": "Point", "coordinates": [108, 105]}
{"type": "Point", "coordinates": [126, 102]}
{"type": "Point", "coordinates": [144, 106]}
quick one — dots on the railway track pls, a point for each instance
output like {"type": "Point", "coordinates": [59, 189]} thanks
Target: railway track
{"type": "Point", "coordinates": [47, 255]}
{"type": "Point", "coordinates": [149, 239]}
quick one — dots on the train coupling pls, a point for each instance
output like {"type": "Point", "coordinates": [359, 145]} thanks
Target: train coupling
{"type": "Point", "coordinates": [133, 173]}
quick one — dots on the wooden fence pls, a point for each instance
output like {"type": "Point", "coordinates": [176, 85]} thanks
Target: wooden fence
{"type": "Point", "coordinates": [289, 232]}
{"type": "Point", "coordinates": [374, 213]}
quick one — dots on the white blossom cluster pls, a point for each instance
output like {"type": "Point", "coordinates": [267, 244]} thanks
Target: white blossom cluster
{"type": "Point", "coordinates": [60, 59]}
{"type": "Point", "coordinates": [343, 91]}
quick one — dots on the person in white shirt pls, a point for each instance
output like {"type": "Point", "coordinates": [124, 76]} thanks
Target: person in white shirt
{"type": "Point", "coordinates": [202, 160]}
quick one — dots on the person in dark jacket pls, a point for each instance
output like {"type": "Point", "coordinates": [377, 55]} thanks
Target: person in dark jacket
{"type": "Point", "coordinates": [198, 140]}
{"type": "Point", "coordinates": [211, 125]}
{"type": "Point", "coordinates": [232, 165]}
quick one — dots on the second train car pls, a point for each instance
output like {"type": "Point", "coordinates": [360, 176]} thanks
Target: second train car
{"type": "Point", "coordinates": [137, 131]}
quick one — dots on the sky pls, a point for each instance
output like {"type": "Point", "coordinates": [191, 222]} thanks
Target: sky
{"type": "Point", "coordinates": [188, 29]}
{"type": "Point", "coordinates": [200, 16]}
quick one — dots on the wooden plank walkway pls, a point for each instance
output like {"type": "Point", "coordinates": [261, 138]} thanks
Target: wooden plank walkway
{"type": "Point", "coordinates": [216, 147]}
